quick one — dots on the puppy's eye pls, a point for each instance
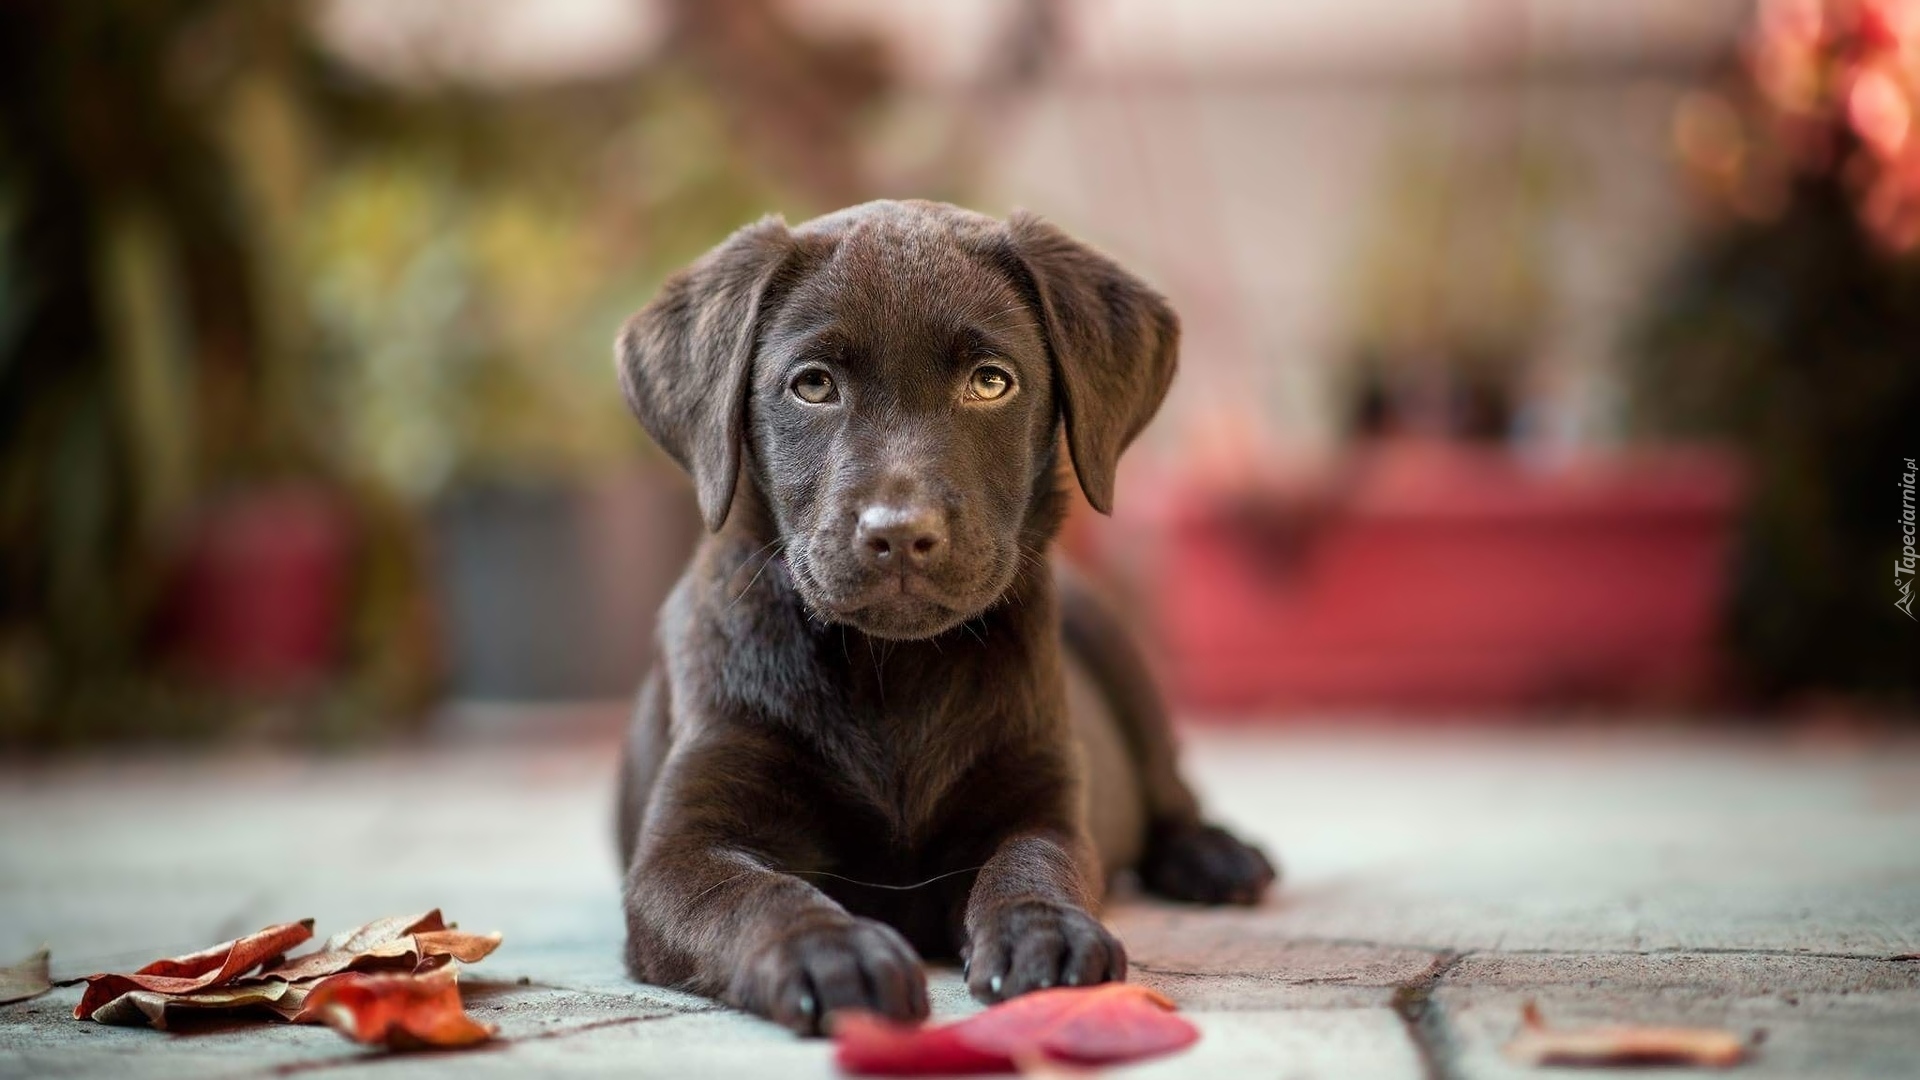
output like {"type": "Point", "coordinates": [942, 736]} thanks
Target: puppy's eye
{"type": "Point", "coordinates": [988, 383]}
{"type": "Point", "coordinates": [815, 387]}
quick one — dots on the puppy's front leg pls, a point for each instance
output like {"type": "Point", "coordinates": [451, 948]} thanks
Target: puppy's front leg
{"type": "Point", "coordinates": [708, 910]}
{"type": "Point", "coordinates": [1029, 920]}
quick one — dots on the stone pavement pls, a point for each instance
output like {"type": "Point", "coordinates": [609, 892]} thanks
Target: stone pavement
{"type": "Point", "coordinates": [1435, 882]}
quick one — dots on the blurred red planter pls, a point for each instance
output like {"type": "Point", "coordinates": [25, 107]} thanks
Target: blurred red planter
{"type": "Point", "coordinates": [259, 599]}
{"type": "Point", "coordinates": [1441, 577]}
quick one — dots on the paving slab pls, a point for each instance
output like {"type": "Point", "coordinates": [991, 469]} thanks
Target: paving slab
{"type": "Point", "coordinates": [1292, 1043]}
{"type": "Point", "coordinates": [1434, 883]}
{"type": "Point", "coordinates": [1236, 959]}
{"type": "Point", "coordinates": [1802, 1015]}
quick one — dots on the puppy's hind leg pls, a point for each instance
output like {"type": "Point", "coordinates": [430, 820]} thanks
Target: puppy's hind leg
{"type": "Point", "coordinates": [1185, 857]}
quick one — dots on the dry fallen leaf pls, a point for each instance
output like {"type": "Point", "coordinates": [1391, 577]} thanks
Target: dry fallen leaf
{"type": "Point", "coordinates": [1538, 1044]}
{"type": "Point", "coordinates": [1096, 1025]}
{"type": "Point", "coordinates": [218, 980]}
{"type": "Point", "coordinates": [400, 1012]}
{"type": "Point", "coordinates": [25, 980]}
{"type": "Point", "coordinates": [401, 942]}
{"type": "Point", "coordinates": [217, 966]}
{"type": "Point", "coordinates": [152, 1009]}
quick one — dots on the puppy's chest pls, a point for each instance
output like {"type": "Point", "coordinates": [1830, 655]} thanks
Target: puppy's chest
{"type": "Point", "coordinates": [903, 766]}
{"type": "Point", "coordinates": [902, 730]}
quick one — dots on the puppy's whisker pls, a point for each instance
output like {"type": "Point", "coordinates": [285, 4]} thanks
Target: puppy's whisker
{"type": "Point", "coordinates": [890, 888]}
{"type": "Point", "coordinates": [756, 551]}
{"type": "Point", "coordinates": [1034, 556]}
{"type": "Point", "coordinates": [725, 881]}
{"type": "Point", "coordinates": [768, 561]}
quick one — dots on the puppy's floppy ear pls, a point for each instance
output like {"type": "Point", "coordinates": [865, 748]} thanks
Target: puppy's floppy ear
{"type": "Point", "coordinates": [685, 359]}
{"type": "Point", "coordinates": [1115, 343]}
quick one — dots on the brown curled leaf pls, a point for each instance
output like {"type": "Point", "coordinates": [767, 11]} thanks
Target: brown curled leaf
{"type": "Point", "coordinates": [381, 939]}
{"type": "Point", "coordinates": [457, 944]}
{"type": "Point", "coordinates": [156, 1010]}
{"type": "Point", "coordinates": [382, 931]}
{"type": "Point", "coordinates": [398, 943]}
{"type": "Point", "coordinates": [212, 967]}
{"type": "Point", "coordinates": [25, 980]}
{"type": "Point", "coordinates": [1624, 1044]}
{"type": "Point", "coordinates": [400, 1012]}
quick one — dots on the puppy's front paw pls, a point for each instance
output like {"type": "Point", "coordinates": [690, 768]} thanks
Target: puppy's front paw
{"type": "Point", "coordinates": [1204, 864]}
{"type": "Point", "coordinates": [799, 979]}
{"type": "Point", "coordinates": [1032, 945]}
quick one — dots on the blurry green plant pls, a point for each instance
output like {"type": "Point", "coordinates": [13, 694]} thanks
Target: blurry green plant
{"type": "Point", "coordinates": [134, 374]}
{"type": "Point", "coordinates": [467, 326]}
{"type": "Point", "coordinates": [227, 261]}
{"type": "Point", "coordinates": [1791, 328]}
{"type": "Point", "coordinates": [1799, 341]}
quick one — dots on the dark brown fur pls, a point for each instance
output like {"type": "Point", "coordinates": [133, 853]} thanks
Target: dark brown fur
{"type": "Point", "coordinates": [841, 761]}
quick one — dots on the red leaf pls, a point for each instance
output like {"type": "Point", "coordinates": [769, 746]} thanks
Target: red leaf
{"type": "Point", "coordinates": [1096, 1025]}
{"type": "Point", "coordinates": [400, 1012]}
{"type": "Point", "coordinates": [1093, 1026]}
{"type": "Point", "coordinates": [875, 1047]}
{"type": "Point", "coordinates": [195, 971]}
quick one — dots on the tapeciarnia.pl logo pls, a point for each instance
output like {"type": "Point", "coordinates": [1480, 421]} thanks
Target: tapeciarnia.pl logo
{"type": "Point", "coordinates": [1903, 566]}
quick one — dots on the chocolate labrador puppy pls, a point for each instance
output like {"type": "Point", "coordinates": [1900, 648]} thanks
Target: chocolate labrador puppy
{"type": "Point", "coordinates": [879, 725]}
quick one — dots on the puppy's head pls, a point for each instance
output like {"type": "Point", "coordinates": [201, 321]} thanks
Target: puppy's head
{"type": "Point", "coordinates": [891, 378]}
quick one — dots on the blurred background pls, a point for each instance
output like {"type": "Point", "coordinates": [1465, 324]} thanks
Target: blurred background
{"type": "Point", "coordinates": [1542, 358]}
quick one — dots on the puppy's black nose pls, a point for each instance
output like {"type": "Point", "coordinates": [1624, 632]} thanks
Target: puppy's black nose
{"type": "Point", "coordinates": [900, 537]}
